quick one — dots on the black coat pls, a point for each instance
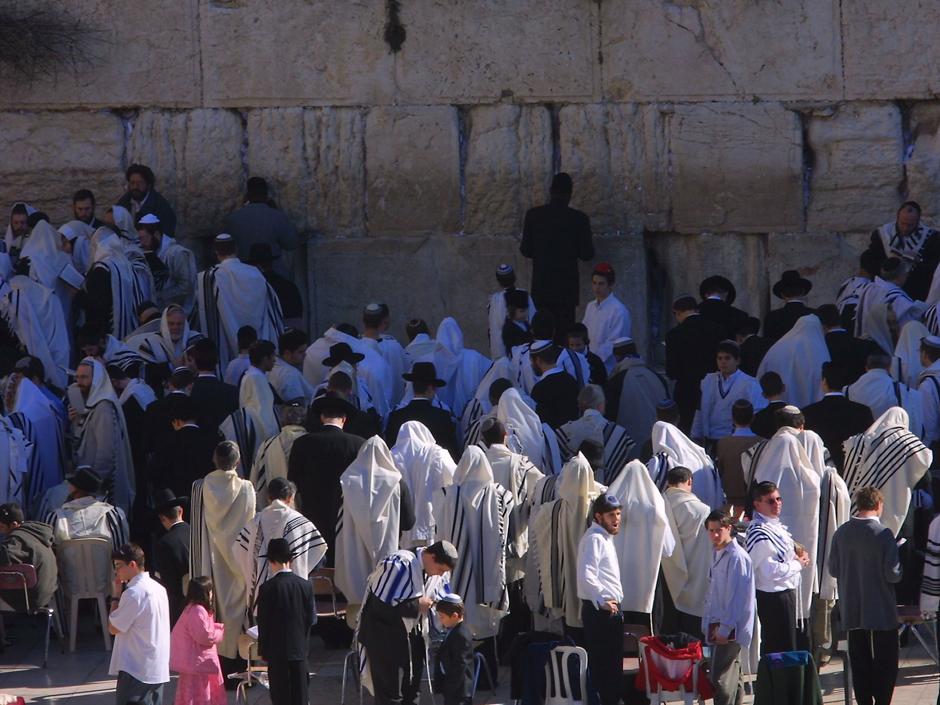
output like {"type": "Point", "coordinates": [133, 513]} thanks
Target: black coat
{"type": "Point", "coordinates": [781, 320]}
{"type": "Point", "coordinates": [555, 237]}
{"type": "Point", "coordinates": [185, 457]}
{"type": "Point", "coordinates": [556, 399]}
{"type": "Point", "coordinates": [728, 318]}
{"type": "Point", "coordinates": [214, 400]}
{"type": "Point", "coordinates": [439, 422]}
{"type": "Point", "coordinates": [598, 369]}
{"type": "Point", "coordinates": [286, 611]}
{"type": "Point", "coordinates": [157, 428]}
{"type": "Point", "coordinates": [171, 563]}
{"type": "Point", "coordinates": [764, 424]}
{"type": "Point", "coordinates": [836, 419]}
{"type": "Point", "coordinates": [156, 204]}
{"type": "Point", "coordinates": [513, 335]}
{"type": "Point", "coordinates": [753, 350]}
{"type": "Point", "coordinates": [849, 353]}
{"type": "Point", "coordinates": [690, 355]}
{"type": "Point", "coordinates": [292, 304]}
{"type": "Point", "coordinates": [453, 672]}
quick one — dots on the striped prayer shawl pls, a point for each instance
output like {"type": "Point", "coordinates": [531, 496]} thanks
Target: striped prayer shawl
{"type": "Point", "coordinates": [930, 320]}
{"type": "Point", "coordinates": [615, 439]}
{"type": "Point", "coordinates": [198, 550]}
{"type": "Point", "coordinates": [760, 531]}
{"type": "Point", "coordinates": [750, 460]}
{"type": "Point", "coordinates": [397, 578]}
{"type": "Point", "coordinates": [930, 583]}
{"type": "Point", "coordinates": [241, 427]}
{"type": "Point", "coordinates": [874, 463]}
{"type": "Point", "coordinates": [850, 291]}
{"type": "Point", "coordinates": [27, 487]}
{"type": "Point", "coordinates": [909, 248]}
{"type": "Point", "coordinates": [115, 523]}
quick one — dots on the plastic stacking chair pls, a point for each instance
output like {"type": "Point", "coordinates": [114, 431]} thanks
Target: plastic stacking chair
{"type": "Point", "coordinates": [324, 589]}
{"type": "Point", "coordinates": [559, 688]}
{"type": "Point", "coordinates": [85, 573]}
{"type": "Point", "coordinates": [351, 661]}
{"type": "Point", "coordinates": [480, 665]}
{"type": "Point", "coordinates": [255, 672]}
{"type": "Point", "coordinates": [22, 576]}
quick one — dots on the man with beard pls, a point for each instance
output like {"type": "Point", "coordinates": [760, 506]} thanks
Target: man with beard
{"type": "Point", "coordinates": [140, 198]}
{"type": "Point", "coordinates": [83, 208]}
{"type": "Point", "coordinates": [172, 265]}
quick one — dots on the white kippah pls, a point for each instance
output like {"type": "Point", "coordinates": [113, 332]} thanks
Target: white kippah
{"type": "Point", "coordinates": [452, 598]}
{"type": "Point", "coordinates": [504, 270]}
{"type": "Point", "coordinates": [620, 342]}
{"type": "Point", "coordinates": [931, 341]}
{"type": "Point", "coordinates": [790, 409]}
{"type": "Point", "coordinates": [540, 345]}
{"type": "Point", "coordinates": [149, 219]}
{"type": "Point", "coordinates": [373, 308]}
{"type": "Point", "coordinates": [68, 232]}
{"type": "Point", "coordinates": [223, 237]}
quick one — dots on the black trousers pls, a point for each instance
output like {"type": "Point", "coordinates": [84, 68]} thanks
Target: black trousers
{"type": "Point", "coordinates": [390, 679]}
{"type": "Point", "coordinates": [874, 659]}
{"type": "Point", "coordinates": [603, 636]}
{"type": "Point", "coordinates": [564, 319]}
{"type": "Point", "coordinates": [777, 614]}
{"type": "Point", "coordinates": [288, 682]}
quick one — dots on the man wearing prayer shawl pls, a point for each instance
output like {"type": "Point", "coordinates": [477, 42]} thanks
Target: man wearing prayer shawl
{"type": "Point", "coordinates": [285, 377]}
{"type": "Point", "coordinates": [884, 307]}
{"type": "Point", "coordinates": [543, 330]}
{"type": "Point", "coordinates": [76, 241]}
{"type": "Point", "coordinates": [497, 308]}
{"type": "Point", "coordinates": [618, 446]}
{"type": "Point", "coordinates": [426, 468]}
{"type": "Point", "coordinates": [473, 514]}
{"type": "Point", "coordinates": [645, 525]}
{"type": "Point", "coordinates": [273, 457]}
{"type": "Point", "coordinates": [16, 453]}
{"type": "Point", "coordinates": [52, 267]}
{"type": "Point", "coordinates": [672, 448]}
{"type": "Point", "coordinates": [834, 505]}
{"type": "Point", "coordinates": [100, 432]}
{"type": "Point", "coordinates": [369, 370]}
{"type": "Point", "coordinates": [375, 323]}
{"type": "Point", "coordinates": [887, 456]}
{"type": "Point", "coordinates": [557, 529]}
{"type": "Point", "coordinates": [719, 392]}
{"type": "Point", "coordinates": [907, 238]}
{"type": "Point", "coordinates": [633, 391]}
{"type": "Point", "coordinates": [231, 295]}
{"type": "Point", "coordinates": [879, 391]}
{"type": "Point", "coordinates": [470, 367]}
{"type": "Point", "coordinates": [173, 266]}
{"type": "Point", "coordinates": [907, 365]}
{"type": "Point", "coordinates": [243, 428]}
{"type": "Point", "coordinates": [112, 293]}
{"type": "Point", "coordinates": [168, 345]}
{"type": "Point", "coordinates": [122, 222]}
{"type": "Point", "coordinates": [534, 439]}
{"type": "Point", "coordinates": [221, 505]}
{"type": "Point", "coordinates": [17, 233]}
{"type": "Point", "coordinates": [798, 358]}
{"type": "Point", "coordinates": [928, 387]}
{"type": "Point", "coordinates": [254, 390]}
{"type": "Point", "coordinates": [483, 404]}
{"type": "Point", "coordinates": [279, 520]}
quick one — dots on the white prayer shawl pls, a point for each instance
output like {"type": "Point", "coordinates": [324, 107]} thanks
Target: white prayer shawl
{"type": "Point", "coordinates": [130, 241]}
{"type": "Point", "coordinates": [89, 517]}
{"type": "Point", "coordinates": [10, 240]}
{"type": "Point", "coordinates": [546, 490]}
{"type": "Point", "coordinates": [928, 388]}
{"type": "Point", "coordinates": [372, 368]}
{"type": "Point", "coordinates": [618, 446]}
{"type": "Point", "coordinates": [798, 358]}
{"type": "Point", "coordinates": [834, 505]}
{"type": "Point", "coordinates": [35, 315]}
{"type": "Point", "coordinates": [687, 569]}
{"type": "Point", "coordinates": [271, 461]}
{"type": "Point", "coordinates": [289, 383]}
{"type": "Point", "coordinates": [877, 390]}
{"type": "Point", "coordinates": [883, 309]}
{"type": "Point", "coordinates": [713, 418]}
{"type": "Point", "coordinates": [79, 234]}
{"type": "Point", "coordinates": [361, 396]}
{"type": "Point", "coordinates": [783, 461]}
{"type": "Point", "coordinates": [50, 266]}
{"type": "Point", "coordinates": [276, 521]}
{"type": "Point", "coordinates": [672, 448]}
{"type": "Point", "coordinates": [644, 537]}
{"type": "Point", "coordinates": [16, 452]}
{"type": "Point", "coordinates": [126, 291]}
{"type": "Point", "coordinates": [473, 514]}
{"type": "Point", "coordinates": [606, 321]}
{"type": "Point", "coordinates": [558, 528]}
{"type": "Point", "coordinates": [522, 422]}
{"type": "Point", "coordinates": [850, 291]}
{"type": "Point", "coordinates": [231, 295]}
{"type": "Point", "coordinates": [161, 348]}
{"type": "Point", "coordinates": [906, 366]}
{"type": "Point", "coordinates": [139, 390]}
{"type": "Point", "coordinates": [426, 468]}
{"type": "Point", "coordinates": [524, 377]}
{"type": "Point", "coordinates": [222, 504]}
{"type": "Point", "coordinates": [518, 476]}
{"type": "Point", "coordinates": [641, 391]}
{"type": "Point", "coordinates": [256, 395]}
{"type": "Point", "coordinates": [479, 405]}
{"type": "Point", "coordinates": [394, 355]}
{"type": "Point", "coordinates": [887, 456]}
{"type": "Point", "coordinates": [368, 521]}
{"type": "Point", "coordinates": [243, 428]}
{"type": "Point", "coordinates": [911, 245]}
{"type": "Point", "coordinates": [496, 313]}
{"type": "Point", "coordinates": [103, 442]}
{"type": "Point", "coordinates": [179, 284]}
{"type": "Point", "coordinates": [470, 366]}
{"type": "Point", "coordinates": [47, 435]}
{"type": "Point", "coordinates": [424, 348]}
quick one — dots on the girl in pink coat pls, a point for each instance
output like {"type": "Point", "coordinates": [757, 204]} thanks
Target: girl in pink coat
{"type": "Point", "coordinates": [193, 652]}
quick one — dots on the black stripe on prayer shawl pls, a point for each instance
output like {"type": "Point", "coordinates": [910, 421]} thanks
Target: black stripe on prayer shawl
{"type": "Point", "coordinates": [930, 582]}
{"type": "Point", "coordinates": [615, 456]}
{"type": "Point", "coordinates": [246, 437]}
{"type": "Point", "coordinates": [930, 320]}
{"type": "Point", "coordinates": [756, 533]}
{"type": "Point", "coordinates": [463, 573]}
{"type": "Point", "coordinates": [887, 462]}
{"type": "Point", "coordinates": [261, 482]}
{"type": "Point", "coordinates": [557, 576]}
{"type": "Point", "coordinates": [394, 584]}
{"type": "Point", "coordinates": [115, 519]}
{"type": "Point", "coordinates": [661, 465]}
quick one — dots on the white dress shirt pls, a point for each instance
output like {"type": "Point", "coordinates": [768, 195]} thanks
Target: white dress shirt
{"type": "Point", "coordinates": [776, 567]}
{"type": "Point", "coordinates": [598, 567]}
{"type": "Point", "coordinates": [606, 321]}
{"type": "Point", "coordinates": [142, 649]}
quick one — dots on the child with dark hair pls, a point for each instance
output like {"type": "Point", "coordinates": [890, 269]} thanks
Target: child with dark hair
{"type": "Point", "coordinates": [193, 652]}
{"type": "Point", "coordinates": [453, 673]}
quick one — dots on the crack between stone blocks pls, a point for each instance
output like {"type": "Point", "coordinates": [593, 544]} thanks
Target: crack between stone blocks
{"type": "Point", "coordinates": [905, 108]}
{"type": "Point", "coordinates": [464, 125]}
{"type": "Point", "coordinates": [128, 119]}
{"type": "Point", "coordinates": [842, 47]}
{"type": "Point", "coordinates": [243, 152]}
{"type": "Point", "coordinates": [554, 114]}
{"type": "Point", "coordinates": [363, 118]}
{"type": "Point", "coordinates": [807, 165]}
{"type": "Point", "coordinates": [201, 64]}
{"type": "Point", "coordinates": [600, 49]}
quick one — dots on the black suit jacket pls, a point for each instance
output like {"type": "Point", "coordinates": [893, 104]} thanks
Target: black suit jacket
{"type": "Point", "coordinates": [555, 237]}
{"type": "Point", "coordinates": [453, 671]}
{"type": "Point", "coordinates": [836, 419]}
{"type": "Point", "coordinates": [171, 563]}
{"type": "Point", "coordinates": [782, 319]}
{"type": "Point", "coordinates": [764, 424]}
{"type": "Point", "coordinates": [185, 457]}
{"type": "Point", "coordinates": [753, 350]}
{"type": "Point", "coordinates": [728, 318]}
{"type": "Point", "coordinates": [156, 204]}
{"type": "Point", "coordinates": [849, 353]}
{"type": "Point", "coordinates": [690, 355]}
{"type": "Point", "coordinates": [214, 400]}
{"type": "Point", "coordinates": [157, 429]}
{"type": "Point", "coordinates": [556, 399]}
{"type": "Point", "coordinates": [286, 611]}
{"type": "Point", "coordinates": [439, 423]}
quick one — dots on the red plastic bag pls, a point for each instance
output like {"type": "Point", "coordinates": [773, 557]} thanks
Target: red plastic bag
{"type": "Point", "coordinates": [672, 669]}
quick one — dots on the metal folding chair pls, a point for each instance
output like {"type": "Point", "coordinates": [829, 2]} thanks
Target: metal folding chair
{"type": "Point", "coordinates": [22, 576]}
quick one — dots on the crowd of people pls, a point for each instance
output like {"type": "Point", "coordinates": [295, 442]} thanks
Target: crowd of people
{"type": "Point", "coordinates": [555, 484]}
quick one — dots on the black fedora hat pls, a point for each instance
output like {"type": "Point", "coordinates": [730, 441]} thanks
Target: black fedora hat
{"type": "Point", "coordinates": [332, 402]}
{"type": "Point", "coordinates": [341, 352]}
{"type": "Point", "coordinates": [261, 252]}
{"type": "Point", "coordinates": [85, 479]}
{"type": "Point", "coordinates": [278, 551]}
{"type": "Point", "coordinates": [166, 498]}
{"type": "Point", "coordinates": [424, 372]}
{"type": "Point", "coordinates": [791, 279]}
{"type": "Point", "coordinates": [716, 282]}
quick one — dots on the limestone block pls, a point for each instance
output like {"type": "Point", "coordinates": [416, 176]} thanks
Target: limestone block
{"type": "Point", "coordinates": [508, 167]}
{"type": "Point", "coordinates": [736, 167]}
{"type": "Point", "coordinates": [923, 163]}
{"type": "Point", "coordinates": [276, 153]}
{"type": "Point", "coordinates": [48, 156]}
{"type": "Point", "coordinates": [142, 53]}
{"type": "Point", "coordinates": [890, 49]}
{"type": "Point", "coordinates": [698, 50]}
{"type": "Point", "coordinates": [480, 50]}
{"type": "Point", "coordinates": [196, 157]}
{"type": "Point", "coordinates": [857, 166]}
{"type": "Point", "coordinates": [616, 155]}
{"type": "Point", "coordinates": [295, 52]}
{"type": "Point", "coordinates": [334, 144]}
{"type": "Point", "coordinates": [412, 170]}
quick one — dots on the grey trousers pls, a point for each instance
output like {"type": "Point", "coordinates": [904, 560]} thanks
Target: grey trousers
{"type": "Point", "coordinates": [130, 690]}
{"type": "Point", "coordinates": [726, 674]}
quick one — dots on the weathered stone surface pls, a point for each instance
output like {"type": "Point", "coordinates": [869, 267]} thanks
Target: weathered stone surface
{"type": "Point", "coordinates": [334, 140]}
{"type": "Point", "coordinates": [736, 167]}
{"type": "Point", "coordinates": [48, 156]}
{"type": "Point", "coordinates": [890, 49]}
{"type": "Point", "coordinates": [698, 50]}
{"type": "Point", "coordinates": [857, 166]}
{"type": "Point", "coordinates": [616, 155]}
{"type": "Point", "coordinates": [295, 52]}
{"type": "Point", "coordinates": [142, 54]}
{"type": "Point", "coordinates": [479, 50]}
{"type": "Point", "coordinates": [276, 153]}
{"type": "Point", "coordinates": [412, 170]}
{"type": "Point", "coordinates": [923, 165]}
{"type": "Point", "coordinates": [508, 168]}
{"type": "Point", "coordinates": [196, 157]}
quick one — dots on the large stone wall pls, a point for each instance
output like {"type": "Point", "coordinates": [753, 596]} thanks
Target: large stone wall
{"type": "Point", "coordinates": [738, 137]}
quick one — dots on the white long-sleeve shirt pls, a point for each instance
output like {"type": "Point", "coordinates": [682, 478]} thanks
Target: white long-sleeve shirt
{"type": "Point", "coordinates": [606, 321]}
{"type": "Point", "coordinates": [713, 418]}
{"type": "Point", "coordinates": [730, 601]}
{"type": "Point", "coordinates": [598, 567]}
{"type": "Point", "coordinates": [770, 546]}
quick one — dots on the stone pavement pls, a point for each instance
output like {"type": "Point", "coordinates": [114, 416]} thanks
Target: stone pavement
{"type": "Point", "coordinates": [82, 678]}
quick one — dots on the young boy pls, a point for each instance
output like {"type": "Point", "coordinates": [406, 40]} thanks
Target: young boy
{"type": "Point", "coordinates": [498, 309]}
{"type": "Point", "coordinates": [237, 367]}
{"type": "Point", "coordinates": [453, 674]}
{"type": "Point", "coordinates": [719, 392]}
{"type": "Point", "coordinates": [516, 326]}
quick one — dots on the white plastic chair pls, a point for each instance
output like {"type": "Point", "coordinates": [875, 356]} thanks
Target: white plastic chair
{"type": "Point", "coordinates": [85, 573]}
{"type": "Point", "coordinates": [674, 668]}
{"type": "Point", "coordinates": [558, 690]}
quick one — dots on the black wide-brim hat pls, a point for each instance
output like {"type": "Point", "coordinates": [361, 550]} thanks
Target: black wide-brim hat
{"type": "Point", "coordinates": [791, 278]}
{"type": "Point", "coordinates": [166, 498]}
{"type": "Point", "coordinates": [341, 352]}
{"type": "Point", "coordinates": [716, 282]}
{"type": "Point", "coordinates": [332, 402]}
{"type": "Point", "coordinates": [85, 479]}
{"type": "Point", "coordinates": [424, 372]}
{"type": "Point", "coordinates": [278, 550]}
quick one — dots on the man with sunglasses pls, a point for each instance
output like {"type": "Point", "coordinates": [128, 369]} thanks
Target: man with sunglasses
{"type": "Point", "coordinates": [777, 564]}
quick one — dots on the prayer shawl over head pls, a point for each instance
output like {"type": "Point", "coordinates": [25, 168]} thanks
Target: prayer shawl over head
{"type": "Point", "coordinates": [473, 514]}
{"type": "Point", "coordinates": [271, 460]}
{"type": "Point", "coordinates": [536, 440]}
{"type": "Point", "coordinates": [883, 309]}
{"type": "Point", "coordinates": [130, 241]}
{"type": "Point", "coordinates": [10, 240]}
{"type": "Point", "coordinates": [686, 570]}
{"type": "Point", "coordinates": [644, 536]}
{"type": "Point", "coordinates": [879, 391]}
{"type": "Point", "coordinates": [222, 504]}
{"type": "Point", "coordinates": [35, 316]}
{"type": "Point", "coordinates": [256, 395]}
{"type": "Point", "coordinates": [470, 366]}
{"type": "Point", "coordinates": [47, 261]}
{"type": "Point", "coordinates": [139, 390]}
{"type": "Point", "coordinates": [519, 476]}
{"type": "Point", "coordinates": [177, 283]}
{"type": "Point", "coordinates": [642, 389]}
{"type": "Point", "coordinates": [243, 427]}
{"type": "Point", "coordinates": [367, 525]}
{"type": "Point", "coordinates": [906, 367]}
{"type": "Point", "coordinates": [231, 295]}
{"type": "Point", "coordinates": [672, 448]}
{"type": "Point", "coordinates": [479, 406]}
{"type": "Point", "coordinates": [108, 253]}
{"type": "Point", "coordinates": [276, 521]}
{"type": "Point", "coordinates": [783, 460]}
{"type": "Point", "coordinates": [102, 440]}
{"type": "Point", "coordinates": [546, 490]}
{"type": "Point", "coordinates": [834, 506]}
{"type": "Point", "coordinates": [16, 452]}
{"type": "Point", "coordinates": [798, 358]}
{"type": "Point", "coordinates": [426, 468]}
{"type": "Point", "coordinates": [372, 369]}
{"type": "Point", "coordinates": [496, 316]}
{"type": "Point", "coordinates": [79, 234]}
{"type": "Point", "coordinates": [850, 291]}
{"type": "Point", "coordinates": [394, 355]}
{"type": "Point", "coordinates": [887, 456]}
{"type": "Point", "coordinates": [161, 348]}
{"type": "Point", "coordinates": [618, 446]}
{"type": "Point", "coordinates": [558, 528]}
